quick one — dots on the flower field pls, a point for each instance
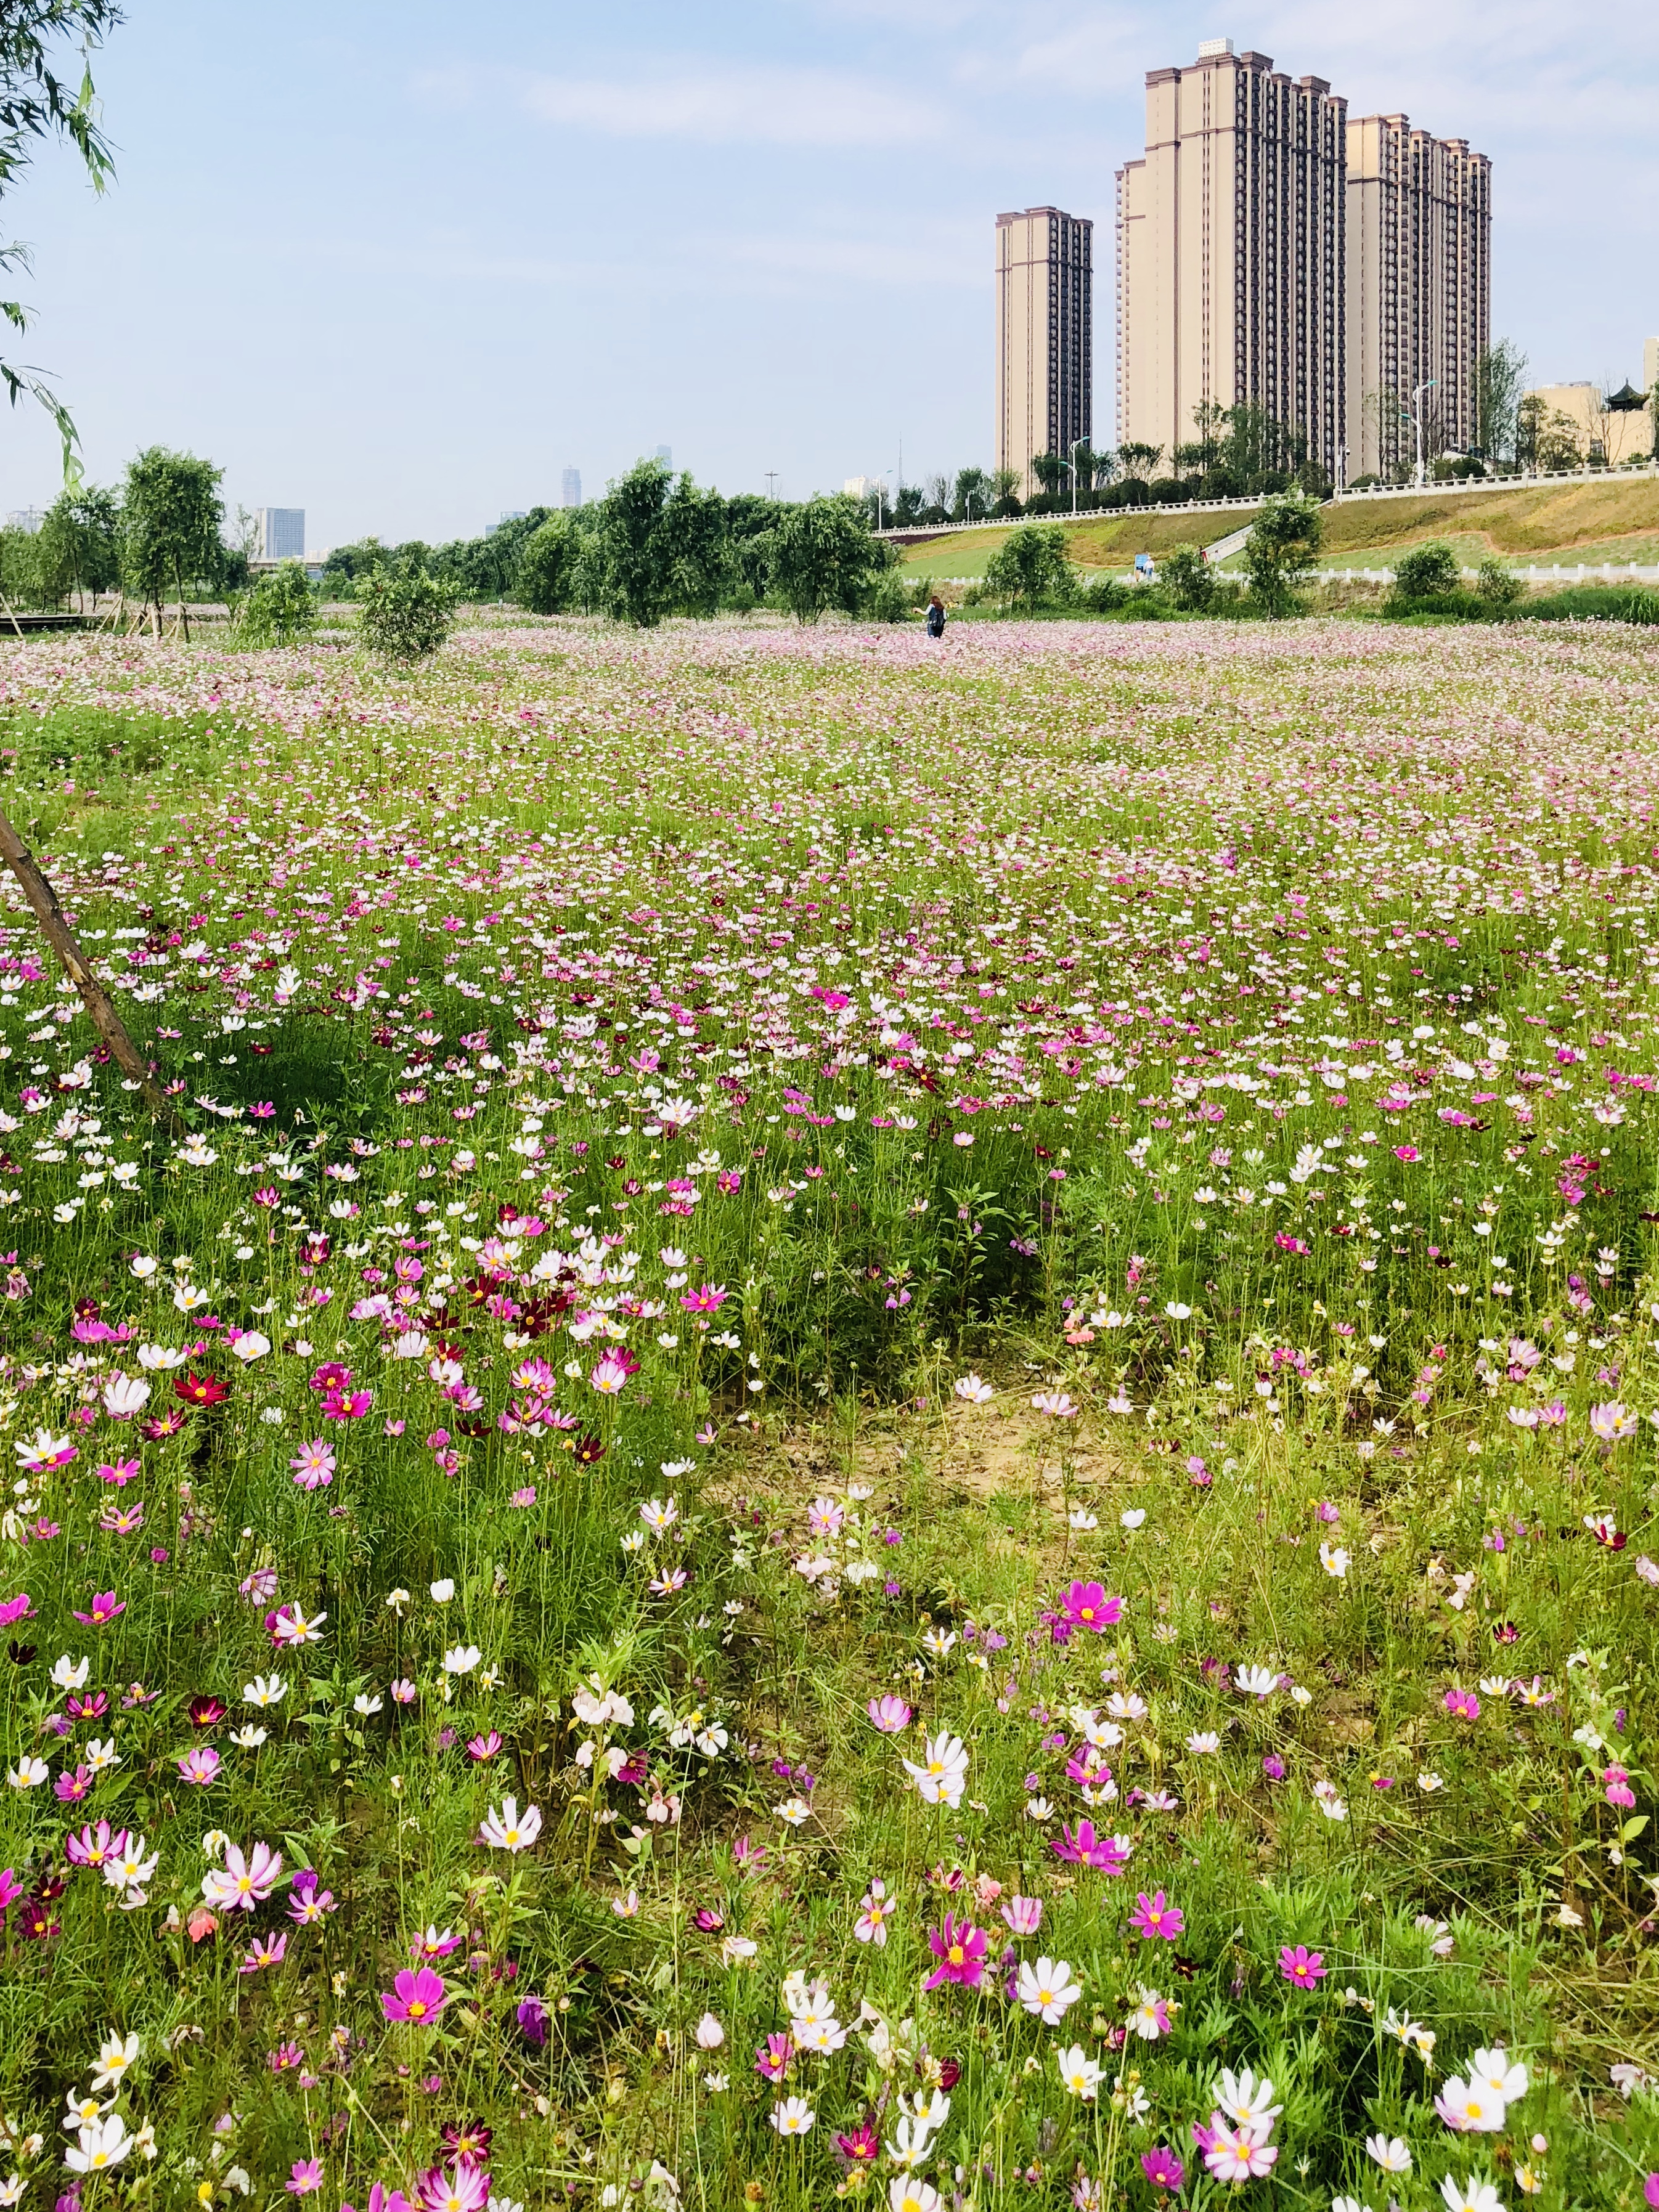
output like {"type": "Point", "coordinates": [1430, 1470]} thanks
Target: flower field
{"type": "Point", "coordinates": [884, 1425]}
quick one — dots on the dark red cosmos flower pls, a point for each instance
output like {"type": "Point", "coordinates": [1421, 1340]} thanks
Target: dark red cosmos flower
{"type": "Point", "coordinates": [206, 1713]}
{"type": "Point", "coordinates": [160, 1426]}
{"type": "Point", "coordinates": [588, 1450]}
{"type": "Point", "coordinates": [471, 2141]}
{"type": "Point", "coordinates": [199, 1389]}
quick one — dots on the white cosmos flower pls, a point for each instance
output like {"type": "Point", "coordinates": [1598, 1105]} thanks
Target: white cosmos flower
{"type": "Point", "coordinates": [116, 2053]}
{"type": "Point", "coordinates": [1472, 2195]}
{"type": "Point", "coordinates": [976, 1392]}
{"type": "Point", "coordinates": [159, 1358]}
{"type": "Point", "coordinates": [942, 1774]}
{"type": "Point", "coordinates": [102, 2144]}
{"type": "Point", "coordinates": [509, 1829]}
{"type": "Point", "coordinates": [1079, 2076]}
{"type": "Point", "coordinates": [1256, 1681]}
{"type": "Point", "coordinates": [124, 1396]}
{"type": "Point", "coordinates": [1047, 1989]}
{"type": "Point", "coordinates": [1495, 2071]}
{"type": "Point", "coordinates": [1391, 2153]}
{"type": "Point", "coordinates": [461, 1658]}
{"type": "Point", "coordinates": [251, 1345]}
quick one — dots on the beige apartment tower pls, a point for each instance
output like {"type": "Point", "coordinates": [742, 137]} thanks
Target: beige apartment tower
{"type": "Point", "coordinates": [1420, 292]}
{"type": "Point", "coordinates": [1045, 337]}
{"type": "Point", "coordinates": [1229, 255]}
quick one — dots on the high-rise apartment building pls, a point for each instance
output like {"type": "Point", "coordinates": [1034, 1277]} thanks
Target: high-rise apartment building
{"type": "Point", "coordinates": [570, 488]}
{"type": "Point", "coordinates": [1045, 337]}
{"type": "Point", "coordinates": [280, 533]}
{"type": "Point", "coordinates": [1419, 292]}
{"type": "Point", "coordinates": [1229, 255]}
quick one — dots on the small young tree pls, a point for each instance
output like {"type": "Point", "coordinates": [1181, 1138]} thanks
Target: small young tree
{"type": "Point", "coordinates": [547, 568]}
{"type": "Point", "coordinates": [1427, 572]}
{"type": "Point", "coordinates": [407, 613]}
{"type": "Point", "coordinates": [823, 557]}
{"type": "Point", "coordinates": [1498, 588]}
{"type": "Point", "coordinates": [1186, 575]}
{"type": "Point", "coordinates": [1500, 377]}
{"type": "Point", "coordinates": [81, 540]}
{"type": "Point", "coordinates": [1029, 568]}
{"type": "Point", "coordinates": [280, 609]}
{"type": "Point", "coordinates": [1280, 551]}
{"type": "Point", "coordinates": [171, 515]}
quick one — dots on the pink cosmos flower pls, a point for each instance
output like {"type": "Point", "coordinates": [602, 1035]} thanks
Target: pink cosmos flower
{"type": "Point", "coordinates": [610, 1375]}
{"type": "Point", "coordinates": [314, 1465]}
{"type": "Point", "coordinates": [117, 1471]}
{"type": "Point", "coordinates": [1304, 1967]}
{"type": "Point", "coordinates": [889, 1714]}
{"type": "Point", "coordinates": [263, 1951]}
{"type": "Point", "coordinates": [1463, 1704]}
{"type": "Point", "coordinates": [306, 2175]}
{"type": "Point", "coordinates": [1162, 2167]}
{"type": "Point", "coordinates": [200, 1764]}
{"type": "Point", "coordinates": [1024, 1914]}
{"type": "Point", "coordinates": [710, 1297]}
{"type": "Point", "coordinates": [15, 1609]}
{"type": "Point", "coordinates": [1085, 1605]}
{"type": "Point", "coordinates": [483, 1746]}
{"type": "Point", "coordinates": [960, 1949]}
{"type": "Point", "coordinates": [417, 1995]}
{"type": "Point", "coordinates": [876, 1909]}
{"type": "Point", "coordinates": [1612, 1423]}
{"type": "Point", "coordinates": [1083, 1846]}
{"type": "Point", "coordinates": [1233, 2153]}
{"type": "Point", "coordinates": [1616, 1787]}
{"type": "Point", "coordinates": [105, 1607]}
{"type": "Point", "coordinates": [462, 2187]}
{"type": "Point", "coordinates": [773, 2057]}
{"type": "Point", "coordinates": [95, 1847]}
{"type": "Point", "coordinates": [1153, 1918]}
{"type": "Point", "coordinates": [243, 1881]}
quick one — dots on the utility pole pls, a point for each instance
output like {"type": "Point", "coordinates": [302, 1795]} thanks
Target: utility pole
{"type": "Point", "coordinates": [1417, 420]}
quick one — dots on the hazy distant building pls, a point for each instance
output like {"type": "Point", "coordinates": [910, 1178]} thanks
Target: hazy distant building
{"type": "Point", "coordinates": [25, 519]}
{"type": "Point", "coordinates": [280, 532]}
{"type": "Point", "coordinates": [858, 487]}
{"type": "Point", "coordinates": [665, 455]}
{"type": "Point", "coordinates": [1045, 337]}
{"type": "Point", "coordinates": [1229, 254]}
{"type": "Point", "coordinates": [570, 488]}
{"type": "Point", "coordinates": [1418, 291]}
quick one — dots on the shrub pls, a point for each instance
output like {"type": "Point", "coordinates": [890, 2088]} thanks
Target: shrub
{"type": "Point", "coordinates": [1188, 580]}
{"type": "Point", "coordinates": [1497, 587]}
{"type": "Point", "coordinates": [280, 610]}
{"type": "Point", "coordinates": [406, 617]}
{"type": "Point", "coordinates": [1594, 603]}
{"type": "Point", "coordinates": [547, 568]}
{"type": "Point", "coordinates": [1029, 569]}
{"type": "Point", "coordinates": [1426, 572]}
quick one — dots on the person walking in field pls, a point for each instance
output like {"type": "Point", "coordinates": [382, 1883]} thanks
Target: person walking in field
{"type": "Point", "coordinates": [936, 617]}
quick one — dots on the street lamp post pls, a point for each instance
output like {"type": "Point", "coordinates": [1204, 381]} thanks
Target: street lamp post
{"type": "Point", "coordinates": [1417, 421]}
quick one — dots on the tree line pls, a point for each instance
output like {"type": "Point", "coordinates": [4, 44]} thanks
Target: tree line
{"type": "Point", "coordinates": [656, 544]}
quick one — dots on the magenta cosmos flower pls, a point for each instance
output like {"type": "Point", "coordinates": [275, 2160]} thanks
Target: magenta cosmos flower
{"type": "Point", "coordinates": [1304, 1967]}
{"type": "Point", "coordinates": [1085, 1605]}
{"type": "Point", "coordinates": [417, 1995]}
{"type": "Point", "coordinates": [1084, 1846]}
{"type": "Point", "coordinates": [960, 1949]}
{"type": "Point", "coordinates": [1153, 1916]}
{"type": "Point", "coordinates": [1162, 2167]}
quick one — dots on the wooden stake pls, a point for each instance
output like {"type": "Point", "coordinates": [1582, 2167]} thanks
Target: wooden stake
{"type": "Point", "coordinates": [98, 1003]}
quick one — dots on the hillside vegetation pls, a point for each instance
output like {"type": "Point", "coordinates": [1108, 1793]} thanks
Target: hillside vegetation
{"type": "Point", "coordinates": [1593, 520]}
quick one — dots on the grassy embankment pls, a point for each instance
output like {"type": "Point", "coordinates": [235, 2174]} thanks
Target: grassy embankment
{"type": "Point", "coordinates": [1593, 521]}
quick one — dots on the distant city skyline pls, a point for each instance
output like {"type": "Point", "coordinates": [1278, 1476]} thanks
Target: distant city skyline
{"type": "Point", "coordinates": [771, 243]}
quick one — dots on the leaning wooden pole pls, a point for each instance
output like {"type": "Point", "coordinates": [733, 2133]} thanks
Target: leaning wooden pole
{"type": "Point", "coordinates": [97, 1000]}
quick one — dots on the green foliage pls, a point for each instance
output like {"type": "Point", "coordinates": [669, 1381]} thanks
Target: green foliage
{"type": "Point", "coordinates": [1594, 603]}
{"type": "Point", "coordinates": [823, 557]}
{"type": "Point", "coordinates": [1029, 569]}
{"type": "Point", "coordinates": [547, 569]}
{"type": "Point", "coordinates": [1500, 379]}
{"type": "Point", "coordinates": [281, 608]}
{"type": "Point", "coordinates": [1187, 578]}
{"type": "Point", "coordinates": [407, 613]}
{"type": "Point", "coordinates": [1280, 551]}
{"type": "Point", "coordinates": [1497, 586]}
{"type": "Point", "coordinates": [660, 546]}
{"type": "Point", "coordinates": [171, 515]}
{"type": "Point", "coordinates": [891, 600]}
{"type": "Point", "coordinates": [1426, 572]}
{"type": "Point", "coordinates": [80, 547]}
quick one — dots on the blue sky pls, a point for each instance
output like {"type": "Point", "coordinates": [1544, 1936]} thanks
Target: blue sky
{"type": "Point", "coordinates": [399, 263]}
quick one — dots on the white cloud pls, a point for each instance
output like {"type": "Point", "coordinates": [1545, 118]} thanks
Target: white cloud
{"type": "Point", "coordinates": [769, 105]}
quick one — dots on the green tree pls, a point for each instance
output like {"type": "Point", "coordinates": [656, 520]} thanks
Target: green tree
{"type": "Point", "coordinates": [407, 613]}
{"type": "Point", "coordinates": [824, 556]}
{"type": "Point", "coordinates": [547, 568]}
{"type": "Point", "coordinates": [1138, 459]}
{"type": "Point", "coordinates": [281, 609]}
{"type": "Point", "coordinates": [1500, 377]}
{"type": "Point", "coordinates": [1029, 568]}
{"type": "Point", "coordinates": [36, 103]}
{"type": "Point", "coordinates": [660, 546]}
{"type": "Point", "coordinates": [1497, 587]}
{"type": "Point", "coordinates": [1187, 576]}
{"type": "Point", "coordinates": [751, 522]}
{"type": "Point", "coordinates": [1280, 551]}
{"type": "Point", "coordinates": [972, 496]}
{"type": "Point", "coordinates": [1051, 473]}
{"type": "Point", "coordinates": [1005, 487]}
{"type": "Point", "coordinates": [81, 540]}
{"type": "Point", "coordinates": [171, 514]}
